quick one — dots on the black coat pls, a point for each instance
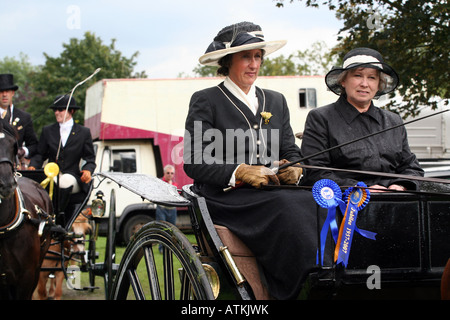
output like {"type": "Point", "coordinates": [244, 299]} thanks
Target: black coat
{"type": "Point", "coordinates": [78, 147]}
{"type": "Point", "coordinates": [22, 121]}
{"type": "Point", "coordinates": [217, 117]}
{"type": "Point", "coordinates": [340, 122]}
{"type": "Point", "coordinates": [279, 226]}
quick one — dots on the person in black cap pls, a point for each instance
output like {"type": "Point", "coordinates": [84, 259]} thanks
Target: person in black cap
{"type": "Point", "coordinates": [363, 77]}
{"type": "Point", "coordinates": [20, 119]}
{"type": "Point", "coordinates": [67, 143]}
{"type": "Point", "coordinates": [236, 134]}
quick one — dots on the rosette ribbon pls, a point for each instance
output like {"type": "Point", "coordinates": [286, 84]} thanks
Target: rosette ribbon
{"type": "Point", "coordinates": [357, 198]}
{"type": "Point", "coordinates": [328, 195]}
{"type": "Point", "coordinates": [51, 170]}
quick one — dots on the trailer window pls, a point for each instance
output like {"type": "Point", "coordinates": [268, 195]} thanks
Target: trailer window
{"type": "Point", "coordinates": [307, 97]}
{"type": "Point", "coordinates": [124, 161]}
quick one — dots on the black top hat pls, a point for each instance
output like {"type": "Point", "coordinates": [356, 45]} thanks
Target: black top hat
{"type": "Point", "coordinates": [61, 102]}
{"type": "Point", "coordinates": [7, 82]}
{"type": "Point", "coordinates": [363, 58]}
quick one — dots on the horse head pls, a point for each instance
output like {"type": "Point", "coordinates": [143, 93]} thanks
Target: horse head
{"type": "Point", "coordinates": [8, 151]}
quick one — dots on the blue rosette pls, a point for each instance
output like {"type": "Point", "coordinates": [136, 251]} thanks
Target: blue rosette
{"type": "Point", "coordinates": [355, 199]}
{"type": "Point", "coordinates": [359, 195]}
{"type": "Point", "coordinates": [328, 195]}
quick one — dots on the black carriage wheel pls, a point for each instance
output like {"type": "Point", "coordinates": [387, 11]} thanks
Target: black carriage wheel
{"type": "Point", "coordinates": [191, 279]}
{"type": "Point", "coordinates": [110, 254]}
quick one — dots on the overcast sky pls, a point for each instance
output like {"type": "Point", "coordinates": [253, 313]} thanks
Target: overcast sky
{"type": "Point", "coordinates": [170, 35]}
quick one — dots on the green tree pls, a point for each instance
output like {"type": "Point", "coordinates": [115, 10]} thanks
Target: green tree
{"type": "Point", "coordinates": [413, 36]}
{"type": "Point", "coordinates": [78, 60]}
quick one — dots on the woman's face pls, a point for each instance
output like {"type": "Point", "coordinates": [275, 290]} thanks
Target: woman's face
{"type": "Point", "coordinates": [61, 116]}
{"type": "Point", "coordinates": [244, 68]}
{"type": "Point", "coordinates": [361, 85]}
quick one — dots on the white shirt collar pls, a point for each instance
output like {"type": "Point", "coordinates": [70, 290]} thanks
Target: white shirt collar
{"type": "Point", "coordinates": [250, 99]}
{"type": "Point", "coordinates": [11, 110]}
{"type": "Point", "coordinates": [64, 130]}
{"type": "Point", "coordinates": [67, 124]}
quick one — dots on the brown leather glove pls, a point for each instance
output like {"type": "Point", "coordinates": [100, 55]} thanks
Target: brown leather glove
{"type": "Point", "coordinates": [85, 176]}
{"type": "Point", "coordinates": [289, 175]}
{"type": "Point", "coordinates": [256, 176]}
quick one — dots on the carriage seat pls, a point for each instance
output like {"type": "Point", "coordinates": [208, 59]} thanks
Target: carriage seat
{"type": "Point", "coordinates": [245, 261]}
{"type": "Point", "coordinates": [241, 254]}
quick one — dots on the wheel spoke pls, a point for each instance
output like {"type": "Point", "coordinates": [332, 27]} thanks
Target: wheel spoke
{"type": "Point", "coordinates": [152, 273]}
{"type": "Point", "coordinates": [186, 287]}
{"type": "Point", "coordinates": [135, 284]}
{"type": "Point", "coordinates": [169, 287]}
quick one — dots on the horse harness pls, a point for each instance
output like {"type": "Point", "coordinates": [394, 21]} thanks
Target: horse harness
{"type": "Point", "coordinates": [22, 214]}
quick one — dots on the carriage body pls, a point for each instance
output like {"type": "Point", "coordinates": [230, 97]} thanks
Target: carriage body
{"type": "Point", "coordinates": [409, 253]}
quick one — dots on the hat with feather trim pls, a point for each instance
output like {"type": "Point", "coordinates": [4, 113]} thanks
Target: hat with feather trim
{"type": "Point", "coordinates": [363, 58]}
{"type": "Point", "coordinates": [235, 38]}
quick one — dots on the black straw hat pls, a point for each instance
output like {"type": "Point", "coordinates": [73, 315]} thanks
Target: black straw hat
{"type": "Point", "coordinates": [235, 38]}
{"type": "Point", "coordinates": [363, 58]}
{"type": "Point", "coordinates": [61, 102]}
{"type": "Point", "coordinates": [7, 82]}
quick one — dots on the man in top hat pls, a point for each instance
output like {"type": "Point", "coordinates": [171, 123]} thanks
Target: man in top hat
{"type": "Point", "coordinates": [20, 119]}
{"type": "Point", "coordinates": [67, 143]}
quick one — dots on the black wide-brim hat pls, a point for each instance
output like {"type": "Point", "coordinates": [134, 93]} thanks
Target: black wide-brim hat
{"type": "Point", "coordinates": [363, 58]}
{"type": "Point", "coordinates": [7, 82]}
{"type": "Point", "coordinates": [238, 37]}
{"type": "Point", "coordinates": [62, 101]}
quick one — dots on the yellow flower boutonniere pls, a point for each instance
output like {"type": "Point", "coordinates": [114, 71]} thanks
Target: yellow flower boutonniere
{"type": "Point", "coordinates": [266, 116]}
{"type": "Point", "coordinates": [16, 120]}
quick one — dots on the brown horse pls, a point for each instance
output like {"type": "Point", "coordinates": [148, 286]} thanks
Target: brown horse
{"type": "Point", "coordinates": [73, 247]}
{"type": "Point", "coordinates": [22, 248]}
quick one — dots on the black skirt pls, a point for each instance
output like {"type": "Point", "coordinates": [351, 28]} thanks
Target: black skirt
{"type": "Point", "coordinates": [280, 227]}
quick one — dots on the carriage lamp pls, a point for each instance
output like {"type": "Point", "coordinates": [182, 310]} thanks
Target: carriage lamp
{"type": "Point", "coordinates": [98, 205]}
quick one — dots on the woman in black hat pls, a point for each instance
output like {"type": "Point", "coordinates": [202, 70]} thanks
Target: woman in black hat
{"type": "Point", "coordinates": [363, 77]}
{"type": "Point", "coordinates": [235, 135]}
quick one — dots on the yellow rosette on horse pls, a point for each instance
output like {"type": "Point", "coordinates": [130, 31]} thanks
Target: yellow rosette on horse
{"type": "Point", "coordinates": [51, 170]}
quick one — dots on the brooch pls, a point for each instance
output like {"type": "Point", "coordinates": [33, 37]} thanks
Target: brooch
{"type": "Point", "coordinates": [266, 116]}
